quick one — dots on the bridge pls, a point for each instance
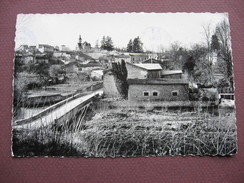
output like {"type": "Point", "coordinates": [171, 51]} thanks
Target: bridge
{"type": "Point", "coordinates": [74, 107]}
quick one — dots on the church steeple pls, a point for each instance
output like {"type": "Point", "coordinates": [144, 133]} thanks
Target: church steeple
{"type": "Point", "coordinates": [80, 43]}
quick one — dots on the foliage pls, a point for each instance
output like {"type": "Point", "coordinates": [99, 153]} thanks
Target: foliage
{"type": "Point", "coordinates": [41, 142]}
{"type": "Point", "coordinates": [55, 70]}
{"type": "Point", "coordinates": [130, 46]}
{"type": "Point", "coordinates": [107, 43]}
{"type": "Point", "coordinates": [120, 71]}
{"type": "Point", "coordinates": [214, 43]}
{"type": "Point", "coordinates": [135, 45]}
{"type": "Point", "coordinates": [119, 132]}
{"type": "Point", "coordinates": [223, 33]}
{"type": "Point", "coordinates": [198, 66]}
{"type": "Point", "coordinates": [176, 54]}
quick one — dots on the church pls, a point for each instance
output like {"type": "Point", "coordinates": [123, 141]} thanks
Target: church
{"type": "Point", "coordinates": [83, 46]}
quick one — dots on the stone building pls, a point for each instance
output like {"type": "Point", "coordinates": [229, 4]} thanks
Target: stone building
{"type": "Point", "coordinates": [138, 57]}
{"type": "Point", "coordinates": [45, 48]}
{"type": "Point", "coordinates": [97, 74]}
{"type": "Point", "coordinates": [119, 58]}
{"type": "Point", "coordinates": [143, 71]}
{"type": "Point", "coordinates": [172, 74]}
{"type": "Point", "coordinates": [158, 90]}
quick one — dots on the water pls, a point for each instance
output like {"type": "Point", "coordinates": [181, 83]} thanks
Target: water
{"type": "Point", "coordinates": [25, 112]}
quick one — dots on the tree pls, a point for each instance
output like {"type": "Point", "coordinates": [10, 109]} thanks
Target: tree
{"type": "Point", "coordinates": [176, 54]}
{"type": "Point", "coordinates": [223, 33]}
{"type": "Point", "coordinates": [55, 70]}
{"type": "Point", "coordinates": [207, 34]}
{"type": "Point", "coordinates": [107, 43]}
{"type": "Point", "coordinates": [97, 44]}
{"type": "Point", "coordinates": [103, 42]}
{"type": "Point", "coordinates": [137, 45]}
{"type": "Point", "coordinates": [197, 65]}
{"type": "Point", "coordinates": [130, 46]}
{"type": "Point", "coordinates": [120, 72]}
{"type": "Point", "coordinates": [214, 43]}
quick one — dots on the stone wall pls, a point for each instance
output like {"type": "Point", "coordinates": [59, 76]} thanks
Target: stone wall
{"type": "Point", "coordinates": [109, 85]}
{"type": "Point", "coordinates": [165, 92]}
{"type": "Point", "coordinates": [135, 72]}
{"type": "Point", "coordinates": [172, 76]}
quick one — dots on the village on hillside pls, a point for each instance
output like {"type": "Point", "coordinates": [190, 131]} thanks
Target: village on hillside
{"type": "Point", "coordinates": [124, 101]}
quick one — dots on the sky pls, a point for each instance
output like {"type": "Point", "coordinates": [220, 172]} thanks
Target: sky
{"type": "Point", "coordinates": [156, 30]}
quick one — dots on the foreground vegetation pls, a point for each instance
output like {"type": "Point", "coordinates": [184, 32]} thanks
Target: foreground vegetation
{"type": "Point", "coordinates": [117, 132]}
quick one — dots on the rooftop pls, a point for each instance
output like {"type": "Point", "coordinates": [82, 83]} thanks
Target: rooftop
{"type": "Point", "coordinates": [149, 66]}
{"type": "Point", "coordinates": [138, 54]}
{"type": "Point", "coordinates": [122, 56]}
{"type": "Point", "coordinates": [169, 72]}
{"type": "Point", "coordinates": [152, 60]}
{"type": "Point", "coordinates": [159, 81]}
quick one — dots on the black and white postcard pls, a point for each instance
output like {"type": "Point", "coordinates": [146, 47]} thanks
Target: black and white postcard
{"type": "Point", "coordinates": [123, 85]}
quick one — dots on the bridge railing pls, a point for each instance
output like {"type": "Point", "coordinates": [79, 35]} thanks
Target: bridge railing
{"type": "Point", "coordinates": [78, 93]}
{"type": "Point", "coordinates": [47, 110]}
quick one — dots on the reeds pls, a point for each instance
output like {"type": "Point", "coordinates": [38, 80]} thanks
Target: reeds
{"type": "Point", "coordinates": [114, 131]}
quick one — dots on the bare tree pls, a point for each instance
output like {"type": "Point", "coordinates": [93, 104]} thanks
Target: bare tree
{"type": "Point", "coordinates": [208, 37]}
{"type": "Point", "coordinates": [223, 34]}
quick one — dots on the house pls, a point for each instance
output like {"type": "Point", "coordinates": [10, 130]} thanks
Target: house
{"type": "Point", "coordinates": [89, 66]}
{"type": "Point", "coordinates": [152, 55]}
{"type": "Point", "coordinates": [119, 58]}
{"type": "Point", "coordinates": [81, 57]}
{"type": "Point", "coordinates": [45, 48]}
{"type": "Point", "coordinates": [64, 48]}
{"type": "Point", "coordinates": [138, 57]}
{"type": "Point", "coordinates": [29, 58]}
{"type": "Point", "coordinates": [56, 48]}
{"type": "Point", "coordinates": [106, 60]}
{"type": "Point", "coordinates": [109, 84]}
{"type": "Point", "coordinates": [97, 74]}
{"type": "Point", "coordinates": [158, 89]}
{"type": "Point", "coordinates": [143, 71]}
{"type": "Point", "coordinates": [61, 54]}
{"type": "Point", "coordinates": [23, 47]}
{"type": "Point", "coordinates": [42, 58]}
{"type": "Point", "coordinates": [18, 58]}
{"type": "Point", "coordinates": [32, 48]}
{"type": "Point", "coordinates": [172, 74]}
{"type": "Point", "coordinates": [152, 61]}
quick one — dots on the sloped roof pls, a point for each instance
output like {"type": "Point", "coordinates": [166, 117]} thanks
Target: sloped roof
{"type": "Point", "coordinates": [159, 81]}
{"type": "Point", "coordinates": [122, 56]}
{"type": "Point", "coordinates": [149, 66]}
{"type": "Point", "coordinates": [170, 72]}
{"type": "Point", "coordinates": [100, 72]}
{"type": "Point", "coordinates": [138, 54]}
{"type": "Point", "coordinates": [152, 60]}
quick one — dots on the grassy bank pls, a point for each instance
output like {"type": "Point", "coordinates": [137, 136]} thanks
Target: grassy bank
{"type": "Point", "coordinates": [117, 131]}
{"type": "Point", "coordinates": [130, 133]}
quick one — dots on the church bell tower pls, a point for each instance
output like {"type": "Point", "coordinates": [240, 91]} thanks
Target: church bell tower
{"type": "Point", "coordinates": [80, 43]}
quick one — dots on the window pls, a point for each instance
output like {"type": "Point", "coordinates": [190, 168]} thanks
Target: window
{"type": "Point", "coordinates": [145, 93]}
{"type": "Point", "coordinates": [175, 93]}
{"type": "Point", "coordinates": [155, 93]}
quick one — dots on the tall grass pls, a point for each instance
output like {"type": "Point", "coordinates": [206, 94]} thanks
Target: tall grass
{"type": "Point", "coordinates": [121, 132]}
{"type": "Point", "coordinates": [115, 131]}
